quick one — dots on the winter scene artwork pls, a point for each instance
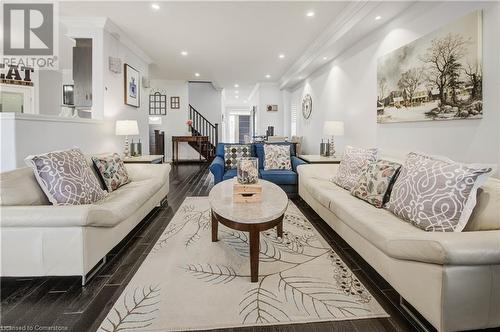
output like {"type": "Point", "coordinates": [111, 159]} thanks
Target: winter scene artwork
{"type": "Point", "coordinates": [436, 77]}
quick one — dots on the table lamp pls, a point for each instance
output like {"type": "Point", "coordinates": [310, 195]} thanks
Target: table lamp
{"type": "Point", "coordinates": [333, 128]}
{"type": "Point", "coordinates": [126, 128]}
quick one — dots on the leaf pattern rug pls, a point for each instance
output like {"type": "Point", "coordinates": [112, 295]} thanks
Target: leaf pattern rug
{"type": "Point", "coordinates": [188, 282]}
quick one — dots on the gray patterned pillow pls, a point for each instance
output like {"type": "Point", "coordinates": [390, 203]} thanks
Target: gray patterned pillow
{"type": "Point", "coordinates": [277, 156]}
{"type": "Point", "coordinates": [435, 194]}
{"type": "Point", "coordinates": [352, 165]}
{"type": "Point", "coordinates": [66, 178]}
{"type": "Point", "coordinates": [233, 152]}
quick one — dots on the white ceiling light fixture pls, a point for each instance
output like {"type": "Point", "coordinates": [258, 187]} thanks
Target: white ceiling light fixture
{"type": "Point", "coordinates": [325, 58]}
{"type": "Point", "coordinates": [184, 53]}
{"type": "Point", "coordinates": [281, 56]}
{"type": "Point", "coordinates": [236, 97]}
{"type": "Point", "coordinates": [197, 74]}
{"type": "Point", "coordinates": [155, 6]}
{"type": "Point", "coordinates": [378, 17]}
{"type": "Point", "coordinates": [268, 76]}
{"type": "Point", "coordinates": [236, 85]}
{"type": "Point", "coordinates": [310, 14]}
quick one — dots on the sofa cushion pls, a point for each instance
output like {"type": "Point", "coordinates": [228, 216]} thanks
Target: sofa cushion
{"type": "Point", "coordinates": [399, 239]}
{"type": "Point", "coordinates": [233, 152]}
{"type": "Point", "coordinates": [352, 165]}
{"type": "Point", "coordinates": [111, 170]}
{"type": "Point", "coordinates": [436, 194]}
{"type": "Point", "coordinates": [229, 174]}
{"type": "Point", "coordinates": [277, 157]}
{"type": "Point", "coordinates": [374, 183]}
{"type": "Point", "coordinates": [66, 177]}
{"type": "Point", "coordinates": [279, 176]}
{"type": "Point", "coordinates": [123, 202]}
{"type": "Point", "coordinates": [19, 187]}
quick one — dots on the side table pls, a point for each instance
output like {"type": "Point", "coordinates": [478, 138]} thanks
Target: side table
{"type": "Point", "coordinates": [145, 159]}
{"type": "Point", "coordinates": [318, 159]}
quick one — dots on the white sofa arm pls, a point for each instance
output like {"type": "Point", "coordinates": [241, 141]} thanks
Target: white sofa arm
{"type": "Point", "coordinates": [465, 248]}
{"type": "Point", "coordinates": [44, 216]}
{"type": "Point", "coordinates": [139, 172]}
{"type": "Point", "coordinates": [318, 171]}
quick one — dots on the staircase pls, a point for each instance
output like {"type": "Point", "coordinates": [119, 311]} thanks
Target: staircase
{"type": "Point", "coordinates": [202, 127]}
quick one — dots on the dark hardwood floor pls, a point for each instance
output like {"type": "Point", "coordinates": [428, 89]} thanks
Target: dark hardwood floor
{"type": "Point", "coordinates": [62, 304]}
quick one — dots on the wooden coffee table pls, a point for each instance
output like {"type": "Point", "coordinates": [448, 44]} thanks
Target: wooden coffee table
{"type": "Point", "coordinates": [248, 217]}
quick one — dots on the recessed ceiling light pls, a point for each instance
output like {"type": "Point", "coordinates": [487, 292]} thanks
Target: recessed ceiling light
{"type": "Point", "coordinates": [281, 56]}
{"type": "Point", "coordinates": [310, 14]}
{"type": "Point", "coordinates": [325, 58]}
{"type": "Point", "coordinates": [268, 76]}
{"type": "Point", "coordinates": [236, 85]}
{"type": "Point", "coordinates": [155, 6]}
{"type": "Point", "coordinates": [197, 74]}
{"type": "Point", "coordinates": [236, 97]}
{"type": "Point", "coordinates": [378, 17]}
{"type": "Point", "coordinates": [184, 53]}
{"type": "Point", "coordinates": [245, 101]}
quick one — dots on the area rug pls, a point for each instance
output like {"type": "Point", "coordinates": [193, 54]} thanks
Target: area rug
{"type": "Point", "coordinates": [188, 282]}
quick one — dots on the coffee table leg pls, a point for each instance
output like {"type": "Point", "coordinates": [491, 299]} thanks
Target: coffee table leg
{"type": "Point", "coordinates": [279, 229]}
{"type": "Point", "coordinates": [215, 227]}
{"type": "Point", "coordinates": [254, 255]}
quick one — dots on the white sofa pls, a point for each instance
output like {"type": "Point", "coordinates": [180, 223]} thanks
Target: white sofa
{"type": "Point", "coordinates": [39, 239]}
{"type": "Point", "coordinates": [452, 279]}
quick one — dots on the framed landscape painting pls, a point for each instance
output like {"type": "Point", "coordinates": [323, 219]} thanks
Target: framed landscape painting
{"type": "Point", "coordinates": [436, 77]}
{"type": "Point", "coordinates": [132, 91]}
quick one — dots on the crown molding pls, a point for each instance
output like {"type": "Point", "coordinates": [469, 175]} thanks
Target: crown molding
{"type": "Point", "coordinates": [122, 37]}
{"type": "Point", "coordinates": [352, 14]}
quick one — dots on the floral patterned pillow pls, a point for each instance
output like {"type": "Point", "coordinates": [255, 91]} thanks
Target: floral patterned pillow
{"type": "Point", "coordinates": [352, 165]}
{"type": "Point", "coordinates": [277, 156]}
{"type": "Point", "coordinates": [112, 170]}
{"type": "Point", "coordinates": [375, 181]}
{"type": "Point", "coordinates": [66, 177]}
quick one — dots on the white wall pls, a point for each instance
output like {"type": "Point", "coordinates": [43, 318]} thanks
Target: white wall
{"type": "Point", "coordinates": [174, 123]}
{"type": "Point", "coordinates": [114, 105]}
{"type": "Point", "coordinates": [207, 100]}
{"type": "Point", "coordinates": [269, 94]}
{"type": "Point", "coordinates": [346, 90]}
{"type": "Point", "coordinates": [33, 134]}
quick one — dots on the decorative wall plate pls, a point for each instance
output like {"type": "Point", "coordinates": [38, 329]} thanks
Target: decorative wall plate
{"type": "Point", "coordinates": [307, 105]}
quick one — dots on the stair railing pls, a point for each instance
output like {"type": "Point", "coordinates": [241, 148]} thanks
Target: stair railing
{"type": "Point", "coordinates": [202, 127]}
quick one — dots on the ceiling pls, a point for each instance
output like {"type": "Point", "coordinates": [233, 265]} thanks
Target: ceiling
{"type": "Point", "coordinates": [227, 42]}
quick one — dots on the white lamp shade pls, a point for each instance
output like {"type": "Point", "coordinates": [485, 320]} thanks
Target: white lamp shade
{"type": "Point", "coordinates": [333, 128]}
{"type": "Point", "coordinates": [126, 128]}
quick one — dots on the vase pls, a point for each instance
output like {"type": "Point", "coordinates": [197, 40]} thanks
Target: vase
{"type": "Point", "coordinates": [247, 170]}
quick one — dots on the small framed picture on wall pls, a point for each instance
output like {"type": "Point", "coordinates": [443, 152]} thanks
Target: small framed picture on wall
{"type": "Point", "coordinates": [175, 103]}
{"type": "Point", "coordinates": [131, 88]}
{"type": "Point", "coordinates": [272, 108]}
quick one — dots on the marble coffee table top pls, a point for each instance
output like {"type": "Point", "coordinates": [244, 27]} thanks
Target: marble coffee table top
{"type": "Point", "coordinates": [273, 204]}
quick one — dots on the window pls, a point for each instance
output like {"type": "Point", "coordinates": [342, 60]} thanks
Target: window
{"type": "Point", "coordinates": [293, 123]}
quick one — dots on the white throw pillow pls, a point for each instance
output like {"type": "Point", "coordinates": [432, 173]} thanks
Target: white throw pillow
{"type": "Point", "coordinates": [277, 156]}
{"type": "Point", "coordinates": [352, 165]}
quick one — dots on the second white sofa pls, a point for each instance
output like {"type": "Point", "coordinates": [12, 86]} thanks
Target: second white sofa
{"type": "Point", "coordinates": [39, 239]}
{"type": "Point", "coordinates": [452, 279]}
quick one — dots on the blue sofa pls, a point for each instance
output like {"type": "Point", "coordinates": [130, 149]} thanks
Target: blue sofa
{"type": "Point", "coordinates": [286, 179]}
